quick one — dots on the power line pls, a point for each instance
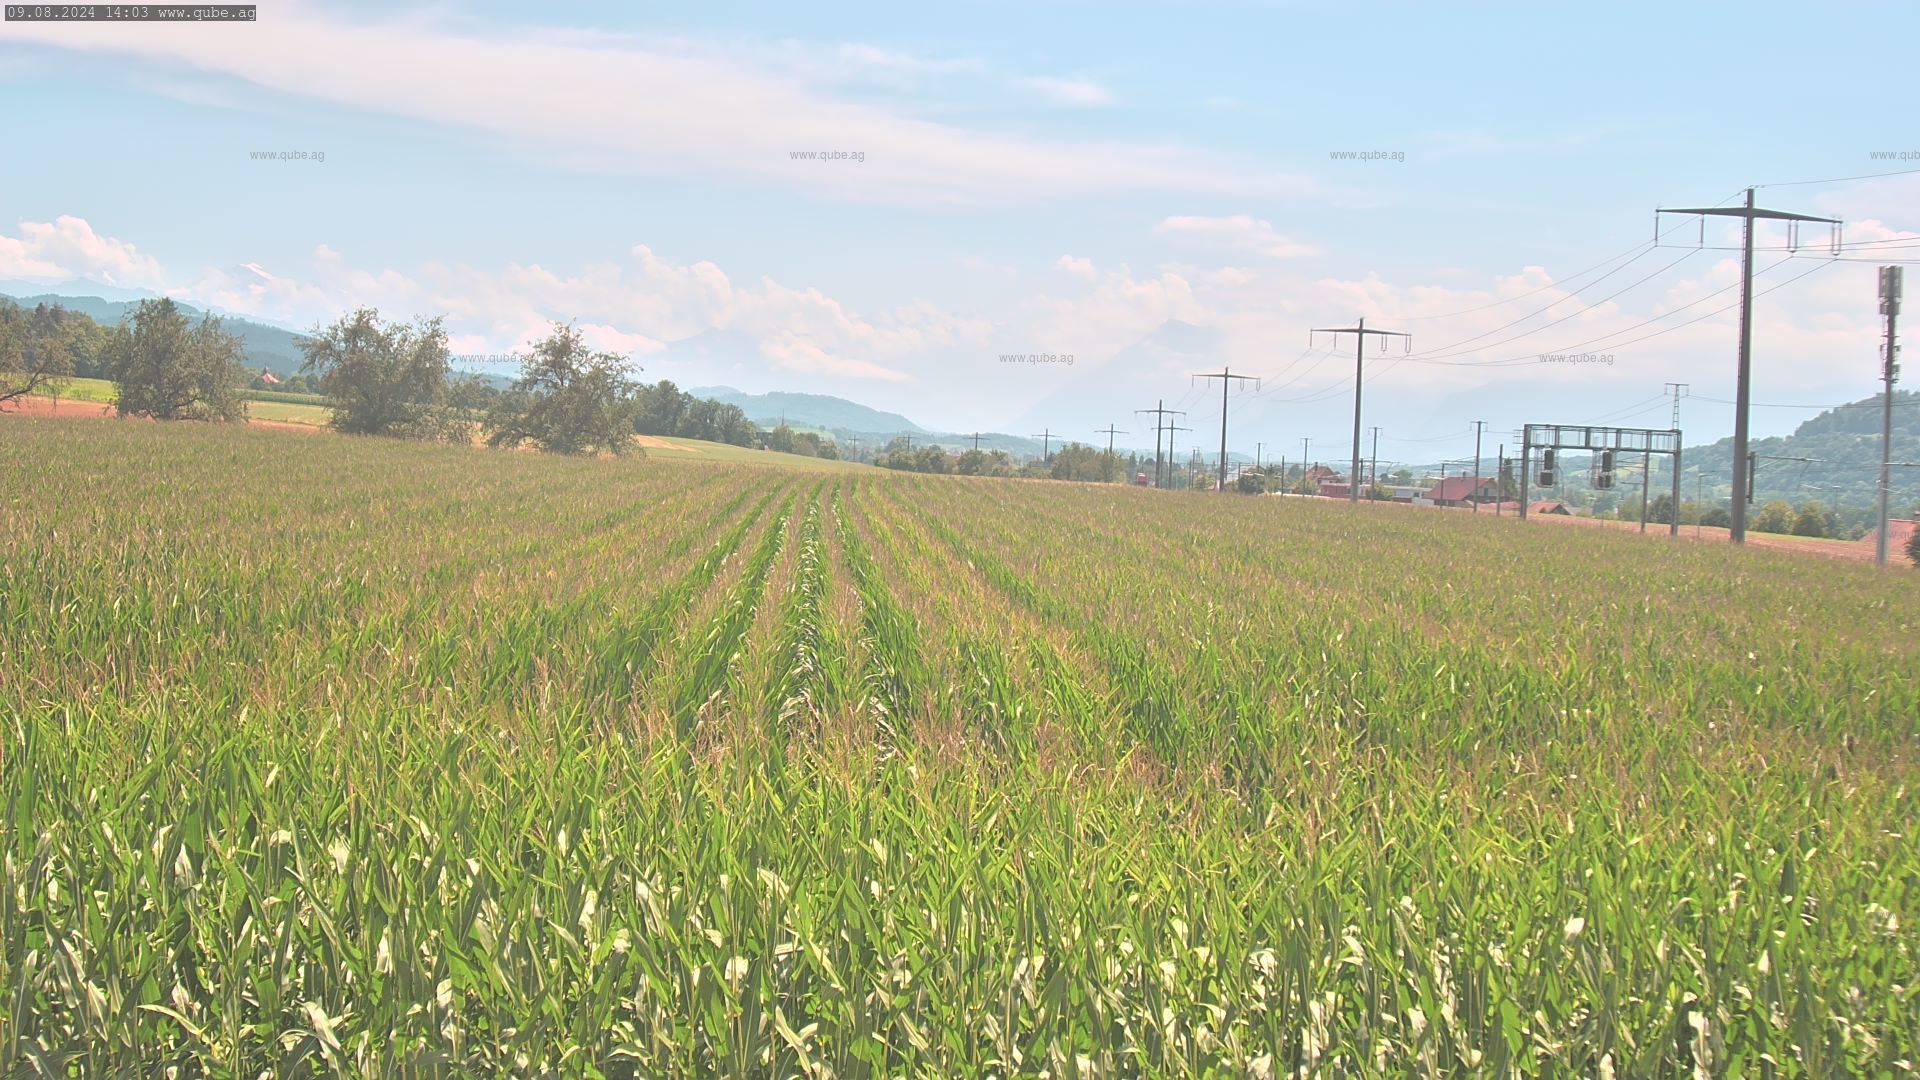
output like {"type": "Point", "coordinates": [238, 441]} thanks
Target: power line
{"type": "Point", "coordinates": [1160, 412]}
{"type": "Point", "coordinates": [1534, 357]}
{"type": "Point", "coordinates": [1359, 333]}
{"type": "Point", "coordinates": [1840, 179]}
{"type": "Point", "coordinates": [1748, 214]}
{"type": "Point", "coordinates": [1046, 444]}
{"type": "Point", "coordinates": [1442, 353]}
{"type": "Point", "coordinates": [1226, 377]}
{"type": "Point", "coordinates": [1826, 408]}
{"type": "Point", "coordinates": [1636, 251]}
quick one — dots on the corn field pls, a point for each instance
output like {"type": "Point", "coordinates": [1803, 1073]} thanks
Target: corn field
{"type": "Point", "coordinates": [327, 756]}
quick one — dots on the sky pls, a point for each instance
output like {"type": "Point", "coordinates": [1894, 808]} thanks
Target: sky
{"type": "Point", "coordinates": [1153, 191]}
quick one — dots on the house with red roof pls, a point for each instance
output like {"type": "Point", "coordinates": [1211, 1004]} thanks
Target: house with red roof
{"type": "Point", "coordinates": [1464, 491]}
{"type": "Point", "coordinates": [1899, 534]}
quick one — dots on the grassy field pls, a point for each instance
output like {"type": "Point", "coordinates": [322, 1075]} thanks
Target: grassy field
{"type": "Point", "coordinates": [346, 756]}
{"type": "Point", "coordinates": [98, 390]}
{"type": "Point", "coordinates": [287, 412]}
{"type": "Point", "coordinates": [103, 392]}
{"type": "Point", "coordinates": [677, 449]}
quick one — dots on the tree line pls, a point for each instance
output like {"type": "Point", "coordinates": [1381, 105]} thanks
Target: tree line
{"type": "Point", "coordinates": [1074, 461]}
{"type": "Point", "coordinates": [39, 348]}
{"type": "Point", "coordinates": [381, 378]}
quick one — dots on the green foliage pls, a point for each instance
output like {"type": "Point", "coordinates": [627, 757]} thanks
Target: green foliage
{"type": "Point", "coordinates": [385, 379]}
{"type": "Point", "coordinates": [518, 764]}
{"type": "Point", "coordinates": [43, 348]}
{"type": "Point", "coordinates": [1840, 458]}
{"type": "Point", "coordinates": [1078, 461]}
{"type": "Point", "coordinates": [287, 397]}
{"type": "Point", "coordinates": [1775, 517]}
{"type": "Point", "coordinates": [1812, 519]}
{"type": "Point", "coordinates": [568, 400]}
{"type": "Point", "coordinates": [167, 369]}
{"type": "Point", "coordinates": [664, 409]}
{"type": "Point", "coordinates": [804, 443]}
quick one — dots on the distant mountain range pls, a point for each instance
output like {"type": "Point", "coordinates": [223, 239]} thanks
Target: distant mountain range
{"type": "Point", "coordinates": [268, 348]}
{"type": "Point", "coordinates": [819, 411]}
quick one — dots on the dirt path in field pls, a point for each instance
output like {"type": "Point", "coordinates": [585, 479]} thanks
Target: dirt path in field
{"type": "Point", "coordinates": [1845, 550]}
{"type": "Point", "coordinates": [92, 410]}
{"type": "Point", "coordinates": [40, 406]}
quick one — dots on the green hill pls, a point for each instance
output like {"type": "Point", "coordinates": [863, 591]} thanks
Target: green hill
{"type": "Point", "coordinates": [821, 412]}
{"type": "Point", "coordinates": [271, 348]}
{"type": "Point", "coordinates": [1832, 459]}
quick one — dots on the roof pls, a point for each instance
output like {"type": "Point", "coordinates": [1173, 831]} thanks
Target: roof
{"type": "Point", "coordinates": [1547, 506]}
{"type": "Point", "coordinates": [1899, 532]}
{"type": "Point", "coordinates": [1456, 488]}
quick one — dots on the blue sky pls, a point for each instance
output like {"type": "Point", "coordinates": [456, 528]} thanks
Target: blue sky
{"type": "Point", "coordinates": [1148, 188]}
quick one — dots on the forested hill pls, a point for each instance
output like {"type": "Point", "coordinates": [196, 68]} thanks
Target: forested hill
{"type": "Point", "coordinates": [267, 348]}
{"type": "Point", "coordinates": [1833, 458]}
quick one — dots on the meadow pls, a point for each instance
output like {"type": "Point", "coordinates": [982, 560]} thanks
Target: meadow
{"type": "Point", "coordinates": [348, 757]}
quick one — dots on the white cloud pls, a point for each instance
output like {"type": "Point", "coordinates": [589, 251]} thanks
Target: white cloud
{"type": "Point", "coordinates": [808, 358]}
{"type": "Point", "coordinates": [639, 106]}
{"type": "Point", "coordinates": [68, 248]}
{"type": "Point", "coordinates": [1080, 268]}
{"type": "Point", "coordinates": [1240, 231]}
{"type": "Point", "coordinates": [634, 308]}
{"type": "Point", "coordinates": [1081, 92]}
{"type": "Point", "coordinates": [1817, 338]}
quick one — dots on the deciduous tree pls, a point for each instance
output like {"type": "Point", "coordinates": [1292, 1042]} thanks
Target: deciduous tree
{"type": "Point", "coordinates": [569, 399]}
{"type": "Point", "coordinates": [164, 367]}
{"type": "Point", "coordinates": [386, 378]}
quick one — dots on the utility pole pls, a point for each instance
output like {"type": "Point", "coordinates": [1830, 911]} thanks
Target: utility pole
{"type": "Point", "coordinates": [1359, 333]}
{"type": "Point", "coordinates": [1256, 455]}
{"type": "Point", "coordinates": [1110, 431]}
{"type": "Point", "coordinates": [1173, 467]}
{"type": "Point", "coordinates": [1226, 377]}
{"type": "Point", "coordinates": [1373, 461]}
{"type": "Point", "coordinates": [1743, 393]}
{"type": "Point", "coordinates": [1678, 390]}
{"type": "Point", "coordinates": [1890, 370]}
{"type": "Point", "coordinates": [1646, 480]}
{"type": "Point", "coordinates": [976, 440]}
{"type": "Point", "coordinates": [1159, 412]}
{"type": "Point", "coordinates": [1478, 427]}
{"type": "Point", "coordinates": [1046, 444]}
{"type": "Point", "coordinates": [1500, 484]}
